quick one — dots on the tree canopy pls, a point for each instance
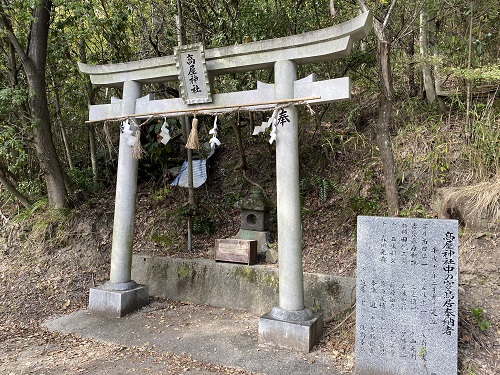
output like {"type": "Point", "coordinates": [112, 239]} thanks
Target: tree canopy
{"type": "Point", "coordinates": [45, 144]}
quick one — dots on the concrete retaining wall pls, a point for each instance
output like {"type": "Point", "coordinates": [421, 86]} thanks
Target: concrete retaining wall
{"type": "Point", "coordinates": [248, 288]}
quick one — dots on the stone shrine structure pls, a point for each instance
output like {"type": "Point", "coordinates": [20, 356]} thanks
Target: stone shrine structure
{"type": "Point", "coordinates": [406, 296]}
{"type": "Point", "coordinates": [255, 219]}
{"type": "Point", "coordinates": [290, 324]}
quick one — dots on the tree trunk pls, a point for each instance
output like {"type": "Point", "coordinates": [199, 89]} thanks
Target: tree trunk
{"type": "Point", "coordinates": [35, 73]}
{"type": "Point", "coordinates": [5, 181]}
{"type": "Point", "coordinates": [93, 157]}
{"type": "Point", "coordinates": [383, 136]}
{"type": "Point", "coordinates": [428, 80]}
{"type": "Point", "coordinates": [92, 138]}
{"type": "Point", "coordinates": [412, 86]}
{"type": "Point", "coordinates": [34, 64]}
{"type": "Point", "coordinates": [62, 128]}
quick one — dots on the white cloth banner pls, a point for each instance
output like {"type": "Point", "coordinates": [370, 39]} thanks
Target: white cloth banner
{"type": "Point", "coordinates": [199, 172]}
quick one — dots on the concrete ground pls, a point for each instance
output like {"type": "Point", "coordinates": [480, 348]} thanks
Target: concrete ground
{"type": "Point", "coordinates": [218, 336]}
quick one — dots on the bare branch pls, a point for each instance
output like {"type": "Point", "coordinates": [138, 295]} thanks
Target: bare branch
{"type": "Point", "coordinates": [6, 24]}
{"type": "Point", "coordinates": [388, 15]}
{"type": "Point", "coordinates": [333, 12]}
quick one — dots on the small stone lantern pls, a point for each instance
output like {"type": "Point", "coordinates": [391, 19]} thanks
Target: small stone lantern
{"type": "Point", "coordinates": [255, 222]}
{"type": "Point", "coordinates": [255, 211]}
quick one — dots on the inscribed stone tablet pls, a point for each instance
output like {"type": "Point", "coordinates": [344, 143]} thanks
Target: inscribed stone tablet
{"type": "Point", "coordinates": [193, 76]}
{"type": "Point", "coordinates": [406, 296]}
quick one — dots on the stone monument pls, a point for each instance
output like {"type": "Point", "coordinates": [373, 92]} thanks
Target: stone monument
{"type": "Point", "coordinates": [290, 324]}
{"type": "Point", "coordinates": [406, 296]}
{"type": "Point", "coordinates": [255, 219]}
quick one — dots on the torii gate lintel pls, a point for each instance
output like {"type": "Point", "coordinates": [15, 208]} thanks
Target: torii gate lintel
{"type": "Point", "coordinates": [320, 45]}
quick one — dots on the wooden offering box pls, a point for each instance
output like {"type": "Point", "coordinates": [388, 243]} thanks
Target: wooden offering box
{"type": "Point", "coordinates": [236, 250]}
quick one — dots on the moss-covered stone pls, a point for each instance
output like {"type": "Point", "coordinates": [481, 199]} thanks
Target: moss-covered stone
{"type": "Point", "coordinates": [184, 271]}
{"type": "Point", "coordinates": [333, 288]}
{"type": "Point", "coordinates": [247, 273]}
{"type": "Point", "coordinates": [271, 280]}
{"type": "Point", "coordinates": [256, 201]}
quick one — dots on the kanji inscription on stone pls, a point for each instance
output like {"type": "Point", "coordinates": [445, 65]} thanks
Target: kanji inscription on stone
{"type": "Point", "coordinates": [406, 296]}
{"type": "Point", "coordinates": [192, 72]}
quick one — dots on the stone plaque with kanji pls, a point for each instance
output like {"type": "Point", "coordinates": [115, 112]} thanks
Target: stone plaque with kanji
{"type": "Point", "coordinates": [406, 296]}
{"type": "Point", "coordinates": [193, 77]}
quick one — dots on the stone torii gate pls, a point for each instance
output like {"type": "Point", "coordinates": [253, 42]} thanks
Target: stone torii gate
{"type": "Point", "coordinates": [290, 324]}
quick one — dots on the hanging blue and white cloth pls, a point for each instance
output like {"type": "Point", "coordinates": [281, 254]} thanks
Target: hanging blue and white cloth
{"type": "Point", "coordinates": [199, 171]}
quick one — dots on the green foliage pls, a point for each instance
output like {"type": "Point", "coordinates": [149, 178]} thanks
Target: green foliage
{"type": "Point", "coordinates": [366, 197]}
{"type": "Point", "coordinates": [484, 138]}
{"type": "Point", "coordinates": [325, 186]}
{"type": "Point", "coordinates": [184, 271]}
{"type": "Point", "coordinates": [45, 221]}
{"type": "Point", "coordinates": [364, 206]}
{"type": "Point", "coordinates": [115, 31]}
{"type": "Point", "coordinates": [203, 225]}
{"type": "Point", "coordinates": [424, 143]}
{"type": "Point", "coordinates": [478, 315]}
{"type": "Point", "coordinates": [227, 23]}
{"type": "Point", "coordinates": [161, 239]}
{"type": "Point", "coordinates": [82, 178]}
{"type": "Point", "coordinates": [13, 150]}
{"type": "Point", "coordinates": [31, 188]}
{"type": "Point", "coordinates": [233, 199]}
{"type": "Point", "coordinates": [322, 186]}
{"type": "Point", "coordinates": [486, 73]}
{"type": "Point", "coordinates": [201, 220]}
{"type": "Point", "coordinates": [480, 148]}
{"type": "Point", "coordinates": [158, 154]}
{"type": "Point", "coordinates": [162, 193]}
{"type": "Point", "coordinates": [11, 98]}
{"type": "Point", "coordinates": [26, 213]}
{"type": "Point", "coordinates": [187, 210]}
{"type": "Point", "coordinates": [416, 211]}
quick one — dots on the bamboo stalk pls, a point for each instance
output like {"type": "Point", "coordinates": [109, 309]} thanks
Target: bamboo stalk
{"type": "Point", "coordinates": [209, 108]}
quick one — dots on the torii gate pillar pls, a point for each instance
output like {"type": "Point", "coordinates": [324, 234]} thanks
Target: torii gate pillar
{"type": "Point", "coordinates": [121, 295]}
{"type": "Point", "coordinates": [290, 324]}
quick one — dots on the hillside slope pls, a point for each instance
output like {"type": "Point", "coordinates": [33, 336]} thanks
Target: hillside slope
{"type": "Point", "coordinates": [50, 259]}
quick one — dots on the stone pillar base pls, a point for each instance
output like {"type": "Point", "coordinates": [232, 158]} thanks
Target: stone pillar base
{"type": "Point", "coordinates": [295, 335]}
{"type": "Point", "coordinates": [118, 303]}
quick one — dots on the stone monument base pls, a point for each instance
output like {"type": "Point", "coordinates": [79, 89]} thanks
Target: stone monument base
{"type": "Point", "coordinates": [296, 335]}
{"type": "Point", "coordinates": [117, 303]}
{"type": "Point", "coordinates": [262, 238]}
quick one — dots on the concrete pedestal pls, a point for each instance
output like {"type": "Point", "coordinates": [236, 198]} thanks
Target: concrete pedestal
{"type": "Point", "coordinates": [118, 303]}
{"type": "Point", "coordinates": [262, 238]}
{"type": "Point", "coordinates": [295, 335]}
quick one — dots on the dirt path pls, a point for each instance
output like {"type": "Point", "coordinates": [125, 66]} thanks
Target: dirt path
{"type": "Point", "coordinates": [67, 354]}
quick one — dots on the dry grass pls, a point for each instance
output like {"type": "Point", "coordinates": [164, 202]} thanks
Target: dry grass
{"type": "Point", "coordinates": [482, 200]}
